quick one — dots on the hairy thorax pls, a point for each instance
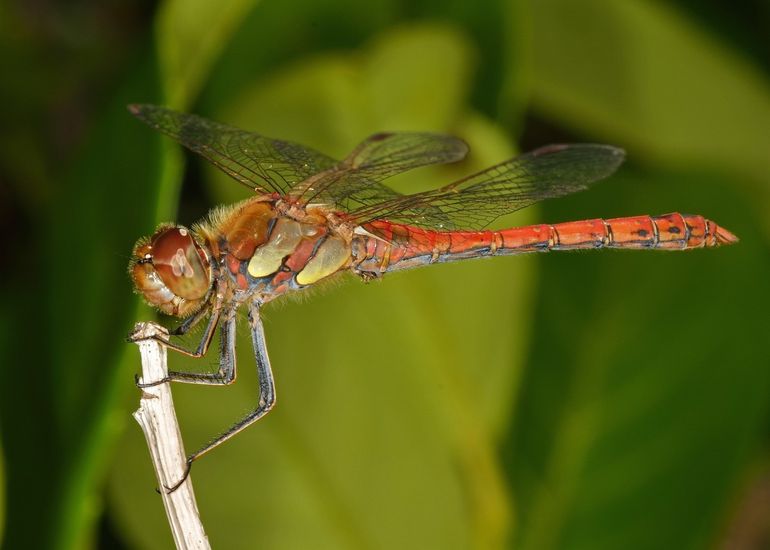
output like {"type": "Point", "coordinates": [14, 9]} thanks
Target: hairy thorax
{"type": "Point", "coordinates": [265, 248]}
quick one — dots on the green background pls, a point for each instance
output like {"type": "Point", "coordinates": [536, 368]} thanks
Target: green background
{"type": "Point", "coordinates": [579, 400]}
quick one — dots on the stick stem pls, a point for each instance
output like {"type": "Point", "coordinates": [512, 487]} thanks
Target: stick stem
{"type": "Point", "coordinates": [157, 418]}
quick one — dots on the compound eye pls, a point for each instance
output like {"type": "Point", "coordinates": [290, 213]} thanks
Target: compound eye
{"type": "Point", "coordinates": [180, 263]}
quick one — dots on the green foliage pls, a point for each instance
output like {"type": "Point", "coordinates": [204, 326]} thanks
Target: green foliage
{"type": "Point", "coordinates": [595, 400]}
{"type": "Point", "coordinates": [645, 75]}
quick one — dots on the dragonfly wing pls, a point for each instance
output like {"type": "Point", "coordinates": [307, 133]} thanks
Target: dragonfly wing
{"type": "Point", "coordinates": [355, 182]}
{"type": "Point", "coordinates": [475, 201]}
{"type": "Point", "coordinates": [265, 165]}
{"type": "Point", "coordinates": [386, 154]}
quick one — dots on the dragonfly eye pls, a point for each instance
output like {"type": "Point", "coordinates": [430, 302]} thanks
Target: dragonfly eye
{"type": "Point", "coordinates": [172, 271]}
{"type": "Point", "coordinates": [181, 264]}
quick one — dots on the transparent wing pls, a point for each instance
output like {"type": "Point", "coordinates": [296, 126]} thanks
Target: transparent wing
{"type": "Point", "coordinates": [354, 183]}
{"type": "Point", "coordinates": [387, 154]}
{"type": "Point", "coordinates": [475, 201]}
{"type": "Point", "coordinates": [263, 164]}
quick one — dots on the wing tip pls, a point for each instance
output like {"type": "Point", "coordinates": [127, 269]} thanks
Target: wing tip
{"type": "Point", "coordinates": [140, 109]}
{"type": "Point", "coordinates": [462, 148]}
{"type": "Point", "coordinates": [608, 158]}
{"type": "Point", "coordinates": [618, 152]}
{"type": "Point", "coordinates": [558, 147]}
{"type": "Point", "coordinates": [144, 110]}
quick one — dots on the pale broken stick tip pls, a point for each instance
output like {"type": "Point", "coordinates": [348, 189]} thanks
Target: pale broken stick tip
{"type": "Point", "coordinates": [157, 418]}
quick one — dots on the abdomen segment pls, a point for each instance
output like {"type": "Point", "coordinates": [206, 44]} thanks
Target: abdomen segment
{"type": "Point", "coordinates": [403, 246]}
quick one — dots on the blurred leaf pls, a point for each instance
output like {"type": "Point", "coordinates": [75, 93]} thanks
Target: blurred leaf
{"type": "Point", "coordinates": [513, 97]}
{"type": "Point", "coordinates": [400, 88]}
{"type": "Point", "coordinates": [499, 31]}
{"type": "Point", "coordinates": [70, 379]}
{"type": "Point", "coordinates": [191, 35]}
{"type": "Point", "coordinates": [649, 388]}
{"type": "Point", "coordinates": [275, 34]}
{"type": "Point", "coordinates": [278, 33]}
{"type": "Point", "coordinates": [392, 398]}
{"type": "Point", "coordinates": [742, 26]}
{"type": "Point", "coordinates": [639, 74]}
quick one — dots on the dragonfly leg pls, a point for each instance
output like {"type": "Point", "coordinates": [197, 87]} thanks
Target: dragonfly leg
{"type": "Point", "coordinates": [227, 366]}
{"type": "Point", "coordinates": [266, 393]}
{"type": "Point", "coordinates": [208, 333]}
{"type": "Point", "coordinates": [189, 323]}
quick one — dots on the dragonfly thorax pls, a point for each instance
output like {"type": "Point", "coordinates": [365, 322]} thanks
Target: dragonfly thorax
{"type": "Point", "coordinates": [270, 247]}
{"type": "Point", "coordinates": [172, 270]}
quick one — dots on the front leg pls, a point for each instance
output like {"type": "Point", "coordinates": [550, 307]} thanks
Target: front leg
{"type": "Point", "coordinates": [226, 373]}
{"type": "Point", "coordinates": [189, 323]}
{"type": "Point", "coordinates": [227, 363]}
{"type": "Point", "coordinates": [208, 333]}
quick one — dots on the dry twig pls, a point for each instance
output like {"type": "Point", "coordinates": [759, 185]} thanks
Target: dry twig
{"type": "Point", "coordinates": [158, 421]}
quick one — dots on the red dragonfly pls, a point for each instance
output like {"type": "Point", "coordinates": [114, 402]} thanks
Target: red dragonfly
{"type": "Point", "coordinates": [312, 217]}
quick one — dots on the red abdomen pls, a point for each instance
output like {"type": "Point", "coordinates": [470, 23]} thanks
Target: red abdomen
{"type": "Point", "coordinates": [404, 246]}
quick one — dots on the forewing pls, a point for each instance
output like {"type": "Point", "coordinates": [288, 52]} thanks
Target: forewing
{"type": "Point", "coordinates": [354, 183]}
{"type": "Point", "coordinates": [265, 165]}
{"type": "Point", "coordinates": [475, 201]}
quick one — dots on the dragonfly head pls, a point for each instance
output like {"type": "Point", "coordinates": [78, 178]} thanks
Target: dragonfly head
{"type": "Point", "coordinates": [172, 270]}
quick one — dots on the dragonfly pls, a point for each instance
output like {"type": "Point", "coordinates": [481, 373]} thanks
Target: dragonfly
{"type": "Point", "coordinates": [312, 217]}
